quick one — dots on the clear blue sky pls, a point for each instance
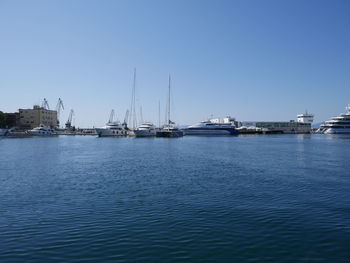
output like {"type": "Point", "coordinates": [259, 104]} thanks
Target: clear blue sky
{"type": "Point", "coordinates": [254, 60]}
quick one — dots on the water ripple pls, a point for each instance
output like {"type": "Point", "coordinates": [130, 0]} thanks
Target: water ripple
{"type": "Point", "coordinates": [240, 199]}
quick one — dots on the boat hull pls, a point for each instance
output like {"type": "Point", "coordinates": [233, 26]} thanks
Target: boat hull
{"type": "Point", "coordinates": [110, 133]}
{"type": "Point", "coordinates": [214, 131]}
{"type": "Point", "coordinates": [169, 134]}
{"type": "Point", "coordinates": [40, 134]}
{"type": "Point", "coordinates": [337, 131]}
{"type": "Point", "coordinates": [145, 133]}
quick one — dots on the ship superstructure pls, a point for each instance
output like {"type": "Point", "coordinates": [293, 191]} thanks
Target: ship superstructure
{"type": "Point", "coordinates": [338, 125]}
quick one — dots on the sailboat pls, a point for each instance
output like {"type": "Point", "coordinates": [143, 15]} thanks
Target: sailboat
{"type": "Point", "coordinates": [169, 129]}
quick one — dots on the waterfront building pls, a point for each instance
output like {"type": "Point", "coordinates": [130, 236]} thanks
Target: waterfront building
{"type": "Point", "coordinates": [302, 125]}
{"type": "Point", "coordinates": [284, 127]}
{"type": "Point", "coordinates": [31, 118]}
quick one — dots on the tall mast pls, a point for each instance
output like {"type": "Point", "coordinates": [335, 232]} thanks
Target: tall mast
{"type": "Point", "coordinates": [132, 117]}
{"type": "Point", "coordinates": [134, 102]}
{"type": "Point", "coordinates": [159, 113]}
{"type": "Point", "coordinates": [169, 100]}
{"type": "Point", "coordinates": [141, 115]}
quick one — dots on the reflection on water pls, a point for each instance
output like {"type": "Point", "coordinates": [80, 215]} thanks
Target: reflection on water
{"type": "Point", "coordinates": [337, 136]}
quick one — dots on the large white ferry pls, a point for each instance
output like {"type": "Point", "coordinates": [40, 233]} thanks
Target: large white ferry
{"type": "Point", "coordinates": [338, 125]}
{"type": "Point", "coordinates": [146, 129]}
{"type": "Point", "coordinates": [225, 126]}
{"type": "Point", "coordinates": [41, 131]}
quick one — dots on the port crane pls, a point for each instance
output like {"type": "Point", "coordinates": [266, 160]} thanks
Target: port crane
{"type": "Point", "coordinates": [69, 121]}
{"type": "Point", "coordinates": [111, 116]}
{"type": "Point", "coordinates": [125, 122]}
{"type": "Point", "coordinates": [59, 107]}
{"type": "Point", "coordinates": [45, 104]}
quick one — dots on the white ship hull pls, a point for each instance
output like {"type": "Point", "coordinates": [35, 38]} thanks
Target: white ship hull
{"type": "Point", "coordinates": [40, 133]}
{"type": "Point", "coordinates": [337, 131]}
{"type": "Point", "coordinates": [208, 132]}
{"type": "Point", "coordinates": [102, 132]}
{"type": "Point", "coordinates": [216, 127]}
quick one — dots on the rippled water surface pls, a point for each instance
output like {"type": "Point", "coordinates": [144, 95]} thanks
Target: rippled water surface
{"type": "Point", "coordinates": [278, 198]}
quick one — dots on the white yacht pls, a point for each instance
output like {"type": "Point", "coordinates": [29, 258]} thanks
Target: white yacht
{"type": "Point", "coordinates": [337, 125]}
{"type": "Point", "coordinates": [213, 127]}
{"type": "Point", "coordinates": [147, 129]}
{"type": "Point", "coordinates": [112, 128]}
{"type": "Point", "coordinates": [41, 131]}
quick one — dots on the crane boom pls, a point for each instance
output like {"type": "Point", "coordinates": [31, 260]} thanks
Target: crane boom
{"type": "Point", "coordinates": [111, 116]}
{"type": "Point", "coordinates": [125, 122]}
{"type": "Point", "coordinates": [45, 104]}
{"type": "Point", "coordinates": [69, 121]}
{"type": "Point", "coordinates": [59, 106]}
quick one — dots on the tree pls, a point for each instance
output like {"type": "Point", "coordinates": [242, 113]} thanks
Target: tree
{"type": "Point", "coordinates": [2, 120]}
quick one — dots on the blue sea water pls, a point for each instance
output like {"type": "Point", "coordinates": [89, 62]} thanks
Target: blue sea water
{"type": "Point", "coordinates": [274, 198]}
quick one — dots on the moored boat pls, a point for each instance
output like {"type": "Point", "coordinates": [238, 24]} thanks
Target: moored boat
{"type": "Point", "coordinates": [146, 129]}
{"type": "Point", "coordinates": [41, 131]}
{"type": "Point", "coordinates": [112, 128]}
{"type": "Point", "coordinates": [337, 125]}
{"type": "Point", "coordinates": [213, 127]}
{"type": "Point", "coordinates": [169, 130]}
